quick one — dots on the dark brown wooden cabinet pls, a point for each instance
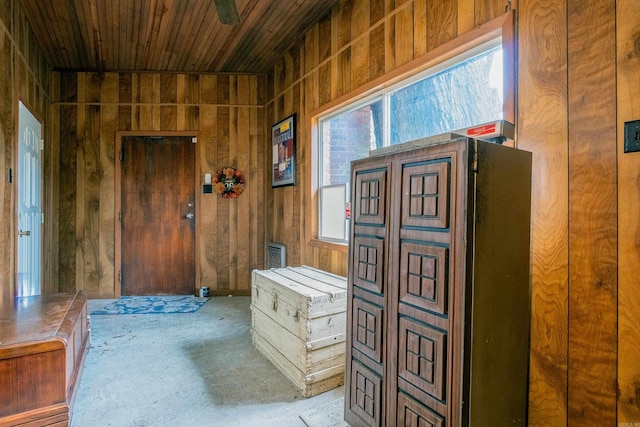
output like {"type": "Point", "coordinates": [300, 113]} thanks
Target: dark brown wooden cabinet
{"type": "Point", "coordinates": [438, 287]}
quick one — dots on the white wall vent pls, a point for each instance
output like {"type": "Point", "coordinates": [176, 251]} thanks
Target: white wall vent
{"type": "Point", "coordinates": [276, 255]}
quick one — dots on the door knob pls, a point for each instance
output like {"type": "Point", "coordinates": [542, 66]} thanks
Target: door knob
{"type": "Point", "coordinates": [189, 215]}
{"type": "Point", "coordinates": [24, 233]}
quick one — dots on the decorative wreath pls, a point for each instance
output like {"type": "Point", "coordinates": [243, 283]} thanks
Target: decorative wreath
{"type": "Point", "coordinates": [229, 183]}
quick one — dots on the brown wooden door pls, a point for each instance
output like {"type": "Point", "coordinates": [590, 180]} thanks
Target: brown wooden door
{"type": "Point", "coordinates": [158, 223]}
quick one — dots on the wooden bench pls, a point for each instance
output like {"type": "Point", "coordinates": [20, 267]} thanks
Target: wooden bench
{"type": "Point", "coordinates": [43, 341]}
{"type": "Point", "coordinates": [298, 321]}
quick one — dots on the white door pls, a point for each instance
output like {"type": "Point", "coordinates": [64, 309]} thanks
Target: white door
{"type": "Point", "coordinates": [29, 204]}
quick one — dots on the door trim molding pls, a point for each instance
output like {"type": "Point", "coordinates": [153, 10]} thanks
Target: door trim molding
{"type": "Point", "coordinates": [118, 201]}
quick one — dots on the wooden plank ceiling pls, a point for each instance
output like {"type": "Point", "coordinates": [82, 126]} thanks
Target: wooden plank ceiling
{"type": "Point", "coordinates": [168, 35]}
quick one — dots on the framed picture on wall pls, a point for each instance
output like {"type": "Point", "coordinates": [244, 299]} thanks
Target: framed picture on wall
{"type": "Point", "coordinates": [283, 152]}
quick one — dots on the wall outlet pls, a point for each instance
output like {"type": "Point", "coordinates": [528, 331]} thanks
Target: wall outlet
{"type": "Point", "coordinates": [632, 136]}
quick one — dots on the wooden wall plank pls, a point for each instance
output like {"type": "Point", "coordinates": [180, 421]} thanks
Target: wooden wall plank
{"type": "Point", "coordinates": [304, 172]}
{"type": "Point", "coordinates": [208, 89]}
{"type": "Point", "coordinates": [324, 83]}
{"type": "Point", "coordinates": [404, 35]}
{"type": "Point", "coordinates": [51, 201]}
{"type": "Point", "coordinates": [243, 238]}
{"type": "Point", "coordinates": [628, 79]}
{"type": "Point", "coordinates": [109, 91]}
{"type": "Point", "coordinates": [192, 89]}
{"type": "Point", "coordinates": [376, 11]}
{"type": "Point", "coordinates": [109, 124]}
{"type": "Point", "coordinates": [419, 28]}
{"type": "Point", "coordinates": [486, 10]}
{"type": "Point", "coordinates": [543, 130]}
{"type": "Point", "coordinates": [360, 62]}
{"type": "Point", "coordinates": [223, 211]}
{"type": "Point", "coordinates": [390, 44]}
{"type": "Point", "coordinates": [208, 212]}
{"type": "Point", "coordinates": [592, 213]}
{"type": "Point", "coordinates": [360, 15]}
{"type": "Point", "coordinates": [168, 88]}
{"type": "Point", "coordinates": [343, 24]}
{"type": "Point", "coordinates": [376, 52]}
{"type": "Point", "coordinates": [466, 16]}
{"type": "Point", "coordinates": [93, 87]}
{"type": "Point", "coordinates": [441, 23]}
{"type": "Point", "coordinates": [342, 77]}
{"type": "Point", "coordinates": [80, 213]}
{"type": "Point", "coordinates": [68, 163]}
{"type": "Point", "coordinates": [311, 49]}
{"type": "Point", "coordinates": [232, 205]}
{"type": "Point", "coordinates": [146, 87]}
{"type": "Point", "coordinates": [125, 88]}
{"type": "Point", "coordinates": [324, 39]}
{"type": "Point", "coordinates": [168, 117]}
{"type": "Point", "coordinates": [6, 88]}
{"type": "Point", "coordinates": [89, 209]}
{"type": "Point", "coordinates": [254, 179]}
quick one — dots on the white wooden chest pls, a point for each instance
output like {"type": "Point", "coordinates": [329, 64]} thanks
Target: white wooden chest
{"type": "Point", "coordinates": [298, 321]}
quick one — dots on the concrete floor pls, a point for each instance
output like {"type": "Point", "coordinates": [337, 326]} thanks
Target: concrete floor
{"type": "Point", "coordinates": [196, 369]}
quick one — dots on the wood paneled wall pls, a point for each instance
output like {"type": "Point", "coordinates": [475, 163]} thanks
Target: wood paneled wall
{"type": "Point", "coordinates": [627, 78]}
{"type": "Point", "coordinates": [225, 111]}
{"type": "Point", "coordinates": [24, 75]}
{"type": "Point", "coordinates": [577, 73]}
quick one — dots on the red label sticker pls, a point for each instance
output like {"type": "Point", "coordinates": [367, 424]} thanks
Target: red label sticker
{"type": "Point", "coordinates": [482, 130]}
{"type": "Point", "coordinates": [347, 211]}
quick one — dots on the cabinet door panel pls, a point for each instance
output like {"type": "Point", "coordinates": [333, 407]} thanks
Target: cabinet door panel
{"type": "Point", "coordinates": [370, 199]}
{"type": "Point", "coordinates": [425, 196]}
{"type": "Point", "coordinates": [365, 394]}
{"type": "Point", "coordinates": [422, 357]}
{"type": "Point", "coordinates": [424, 277]}
{"type": "Point", "coordinates": [413, 414]}
{"type": "Point", "coordinates": [368, 331]}
{"type": "Point", "coordinates": [368, 264]}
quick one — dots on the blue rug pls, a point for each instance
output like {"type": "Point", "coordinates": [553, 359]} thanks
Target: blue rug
{"type": "Point", "coordinates": [153, 305]}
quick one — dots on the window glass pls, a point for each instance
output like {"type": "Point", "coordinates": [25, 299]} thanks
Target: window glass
{"type": "Point", "coordinates": [466, 94]}
{"type": "Point", "coordinates": [349, 136]}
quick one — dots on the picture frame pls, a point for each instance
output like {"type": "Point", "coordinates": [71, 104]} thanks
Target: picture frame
{"type": "Point", "coordinates": [283, 152]}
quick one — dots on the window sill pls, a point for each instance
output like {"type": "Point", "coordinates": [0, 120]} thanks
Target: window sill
{"type": "Point", "coordinates": [340, 247]}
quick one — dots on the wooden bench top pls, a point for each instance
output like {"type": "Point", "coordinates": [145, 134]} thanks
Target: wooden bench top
{"type": "Point", "coordinates": [39, 319]}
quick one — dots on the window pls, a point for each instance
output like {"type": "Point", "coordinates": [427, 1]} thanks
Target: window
{"type": "Point", "coordinates": [345, 137]}
{"type": "Point", "coordinates": [461, 92]}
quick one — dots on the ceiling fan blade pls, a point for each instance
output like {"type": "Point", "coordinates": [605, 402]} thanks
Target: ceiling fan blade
{"type": "Point", "coordinates": [227, 11]}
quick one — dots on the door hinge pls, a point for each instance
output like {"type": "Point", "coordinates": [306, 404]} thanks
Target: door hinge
{"type": "Point", "coordinates": [42, 218]}
{"type": "Point", "coordinates": [194, 139]}
{"type": "Point", "coordinates": [475, 155]}
{"type": "Point", "coordinates": [121, 155]}
{"type": "Point", "coordinates": [42, 145]}
{"type": "Point", "coordinates": [475, 161]}
{"type": "Point", "coordinates": [120, 276]}
{"type": "Point", "coordinates": [120, 216]}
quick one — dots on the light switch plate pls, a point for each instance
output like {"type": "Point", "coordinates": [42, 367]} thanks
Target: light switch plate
{"type": "Point", "coordinates": [632, 136]}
